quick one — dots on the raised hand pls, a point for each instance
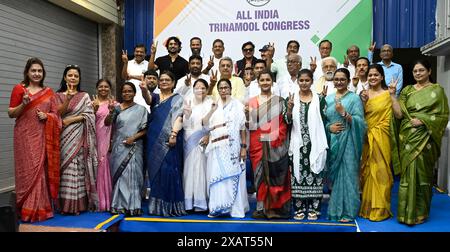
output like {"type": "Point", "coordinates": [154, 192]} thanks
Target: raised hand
{"type": "Point", "coordinates": [214, 105]}
{"type": "Point", "coordinates": [41, 115]}
{"type": "Point", "coordinates": [324, 91]}
{"type": "Point", "coordinates": [238, 74]}
{"type": "Point", "coordinates": [339, 108]}
{"type": "Point", "coordinates": [125, 56]}
{"type": "Point", "coordinates": [364, 95]}
{"type": "Point", "coordinates": [153, 47]}
{"type": "Point", "coordinates": [313, 64]}
{"type": "Point", "coordinates": [70, 92]}
{"type": "Point", "coordinates": [111, 104]}
{"type": "Point", "coordinates": [211, 62]}
{"type": "Point", "coordinates": [355, 81]}
{"type": "Point", "coordinates": [393, 87]}
{"type": "Point", "coordinates": [143, 84]}
{"type": "Point", "coordinates": [95, 102]}
{"type": "Point", "coordinates": [271, 50]}
{"type": "Point", "coordinates": [187, 81]}
{"type": "Point", "coordinates": [26, 97]}
{"type": "Point", "coordinates": [290, 104]}
{"type": "Point", "coordinates": [213, 77]}
{"type": "Point", "coordinates": [346, 62]}
{"type": "Point", "coordinates": [372, 46]}
{"type": "Point", "coordinates": [187, 109]}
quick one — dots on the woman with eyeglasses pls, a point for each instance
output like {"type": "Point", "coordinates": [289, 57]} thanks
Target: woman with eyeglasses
{"type": "Point", "coordinates": [226, 154]}
{"type": "Point", "coordinates": [269, 145]}
{"type": "Point", "coordinates": [376, 176]}
{"type": "Point", "coordinates": [164, 150]}
{"type": "Point", "coordinates": [195, 141]}
{"type": "Point", "coordinates": [129, 121]}
{"type": "Point", "coordinates": [421, 116]}
{"type": "Point", "coordinates": [307, 148]}
{"type": "Point", "coordinates": [345, 128]}
{"type": "Point", "coordinates": [36, 144]}
{"type": "Point", "coordinates": [79, 162]}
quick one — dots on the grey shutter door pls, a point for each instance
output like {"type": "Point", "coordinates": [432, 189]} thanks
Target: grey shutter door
{"type": "Point", "coordinates": [37, 28]}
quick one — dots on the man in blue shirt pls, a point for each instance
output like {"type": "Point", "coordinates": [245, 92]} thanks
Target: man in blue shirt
{"type": "Point", "coordinates": [392, 71]}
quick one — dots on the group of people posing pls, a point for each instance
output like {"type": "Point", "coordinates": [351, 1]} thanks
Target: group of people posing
{"type": "Point", "coordinates": [187, 141]}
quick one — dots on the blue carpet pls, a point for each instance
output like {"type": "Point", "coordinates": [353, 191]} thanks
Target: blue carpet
{"type": "Point", "coordinates": [199, 222]}
{"type": "Point", "coordinates": [439, 220]}
{"type": "Point", "coordinates": [100, 221]}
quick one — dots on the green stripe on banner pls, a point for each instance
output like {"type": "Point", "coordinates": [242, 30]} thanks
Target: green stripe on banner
{"type": "Point", "coordinates": [355, 28]}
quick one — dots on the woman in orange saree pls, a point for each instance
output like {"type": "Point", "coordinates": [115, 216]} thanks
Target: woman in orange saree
{"type": "Point", "coordinates": [36, 144]}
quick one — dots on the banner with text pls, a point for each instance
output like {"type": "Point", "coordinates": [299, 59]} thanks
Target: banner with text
{"type": "Point", "coordinates": [344, 22]}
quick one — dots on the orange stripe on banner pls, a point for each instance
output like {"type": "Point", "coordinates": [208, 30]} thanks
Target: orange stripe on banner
{"type": "Point", "coordinates": [166, 11]}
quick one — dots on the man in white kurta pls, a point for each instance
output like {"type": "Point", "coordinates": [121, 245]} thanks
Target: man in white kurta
{"type": "Point", "coordinates": [133, 71]}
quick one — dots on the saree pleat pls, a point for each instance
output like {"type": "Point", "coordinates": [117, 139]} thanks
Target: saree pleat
{"type": "Point", "coordinates": [376, 175]}
{"type": "Point", "coordinates": [127, 162]}
{"type": "Point", "coordinates": [415, 150]}
{"type": "Point", "coordinates": [344, 157]}
{"type": "Point", "coordinates": [269, 145]}
{"type": "Point", "coordinates": [36, 152]}
{"type": "Point", "coordinates": [166, 166]}
{"type": "Point", "coordinates": [79, 162]}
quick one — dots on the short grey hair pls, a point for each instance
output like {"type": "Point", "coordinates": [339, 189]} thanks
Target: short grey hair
{"type": "Point", "coordinates": [225, 58]}
{"type": "Point", "coordinates": [297, 57]}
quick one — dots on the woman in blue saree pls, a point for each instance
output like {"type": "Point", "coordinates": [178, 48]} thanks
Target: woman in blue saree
{"type": "Point", "coordinates": [345, 130]}
{"type": "Point", "coordinates": [164, 150]}
{"type": "Point", "coordinates": [129, 121]}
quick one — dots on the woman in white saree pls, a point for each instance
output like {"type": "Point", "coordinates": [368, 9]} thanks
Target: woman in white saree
{"type": "Point", "coordinates": [226, 155]}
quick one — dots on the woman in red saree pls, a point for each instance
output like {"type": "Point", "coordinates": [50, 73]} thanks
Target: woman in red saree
{"type": "Point", "coordinates": [269, 145]}
{"type": "Point", "coordinates": [36, 144]}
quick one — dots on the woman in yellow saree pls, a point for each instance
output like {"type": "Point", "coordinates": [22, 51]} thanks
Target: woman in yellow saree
{"type": "Point", "coordinates": [422, 113]}
{"type": "Point", "coordinates": [376, 176]}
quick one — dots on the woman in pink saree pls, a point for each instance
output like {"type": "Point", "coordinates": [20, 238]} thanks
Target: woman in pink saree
{"type": "Point", "coordinates": [36, 144]}
{"type": "Point", "coordinates": [101, 102]}
{"type": "Point", "coordinates": [79, 163]}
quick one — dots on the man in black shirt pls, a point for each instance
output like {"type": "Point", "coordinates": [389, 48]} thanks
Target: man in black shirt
{"type": "Point", "coordinates": [172, 62]}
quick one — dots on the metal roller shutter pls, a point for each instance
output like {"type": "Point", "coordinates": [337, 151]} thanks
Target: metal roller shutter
{"type": "Point", "coordinates": [37, 28]}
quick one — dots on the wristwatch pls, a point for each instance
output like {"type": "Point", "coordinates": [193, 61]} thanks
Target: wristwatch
{"type": "Point", "coordinates": [244, 146]}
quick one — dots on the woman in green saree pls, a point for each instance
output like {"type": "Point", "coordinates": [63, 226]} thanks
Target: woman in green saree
{"type": "Point", "coordinates": [422, 115]}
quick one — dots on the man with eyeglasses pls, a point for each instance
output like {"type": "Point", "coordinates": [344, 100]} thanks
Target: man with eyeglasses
{"type": "Point", "coordinates": [325, 82]}
{"type": "Point", "coordinates": [248, 50]}
{"type": "Point", "coordinates": [133, 71]}
{"type": "Point", "coordinates": [288, 84]}
{"type": "Point", "coordinates": [325, 48]}
{"type": "Point", "coordinates": [392, 71]}
{"type": "Point", "coordinates": [237, 84]}
{"type": "Point", "coordinates": [279, 66]}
